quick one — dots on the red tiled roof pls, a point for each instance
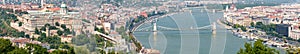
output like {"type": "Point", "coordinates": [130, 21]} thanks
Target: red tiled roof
{"type": "Point", "coordinates": [144, 14]}
{"type": "Point", "coordinates": [21, 40]}
{"type": "Point", "coordinates": [271, 16]}
{"type": "Point", "coordinates": [54, 9]}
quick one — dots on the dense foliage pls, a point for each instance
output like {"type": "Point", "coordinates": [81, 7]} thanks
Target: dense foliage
{"type": "Point", "coordinates": [57, 24]}
{"type": "Point", "coordinates": [7, 48]}
{"type": "Point", "coordinates": [257, 48]}
{"type": "Point", "coordinates": [269, 29]}
{"type": "Point", "coordinates": [243, 28]}
{"type": "Point", "coordinates": [5, 20]}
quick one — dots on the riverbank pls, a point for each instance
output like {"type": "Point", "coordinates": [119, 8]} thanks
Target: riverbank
{"type": "Point", "coordinates": [253, 37]}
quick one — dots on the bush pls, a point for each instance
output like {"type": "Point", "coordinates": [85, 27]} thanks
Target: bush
{"type": "Point", "coordinates": [52, 28]}
{"type": "Point", "coordinates": [63, 26]}
{"type": "Point", "coordinates": [59, 32]}
{"type": "Point", "coordinates": [57, 24]}
{"type": "Point", "coordinates": [20, 24]}
{"type": "Point", "coordinates": [43, 29]}
{"type": "Point", "coordinates": [46, 25]}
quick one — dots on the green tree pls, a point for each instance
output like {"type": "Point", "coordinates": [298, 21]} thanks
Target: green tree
{"type": "Point", "coordinates": [236, 26]}
{"type": "Point", "coordinates": [259, 24]}
{"type": "Point", "coordinates": [57, 24]}
{"type": "Point", "coordinates": [43, 29]}
{"type": "Point", "coordinates": [36, 31]}
{"type": "Point", "coordinates": [27, 36]}
{"type": "Point", "coordinates": [53, 40]}
{"type": "Point", "coordinates": [52, 28]}
{"type": "Point", "coordinates": [59, 32]}
{"type": "Point", "coordinates": [63, 26]}
{"type": "Point", "coordinates": [19, 51]}
{"type": "Point", "coordinates": [292, 50]}
{"type": "Point", "coordinates": [46, 25]}
{"type": "Point", "coordinates": [36, 49]}
{"type": "Point", "coordinates": [121, 30]}
{"type": "Point", "coordinates": [252, 24]}
{"type": "Point", "coordinates": [101, 30]}
{"type": "Point", "coordinates": [257, 48]}
{"type": "Point", "coordinates": [80, 40]}
{"type": "Point", "coordinates": [5, 45]}
{"type": "Point", "coordinates": [43, 35]}
{"type": "Point", "coordinates": [243, 28]}
{"type": "Point", "coordinates": [59, 52]}
{"type": "Point", "coordinates": [64, 46]}
{"type": "Point", "coordinates": [21, 34]}
{"type": "Point", "coordinates": [96, 28]}
{"type": "Point", "coordinates": [20, 24]}
{"type": "Point", "coordinates": [67, 31]}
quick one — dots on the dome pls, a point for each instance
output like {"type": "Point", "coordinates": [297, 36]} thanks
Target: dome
{"type": "Point", "coordinates": [63, 5]}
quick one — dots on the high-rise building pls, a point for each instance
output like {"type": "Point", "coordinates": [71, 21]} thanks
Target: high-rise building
{"type": "Point", "coordinates": [283, 29]}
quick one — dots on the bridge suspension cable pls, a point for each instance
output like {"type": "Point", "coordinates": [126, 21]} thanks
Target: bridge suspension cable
{"type": "Point", "coordinates": [143, 29]}
{"type": "Point", "coordinates": [168, 28]}
{"type": "Point", "coordinates": [197, 28]}
{"type": "Point", "coordinates": [202, 27]}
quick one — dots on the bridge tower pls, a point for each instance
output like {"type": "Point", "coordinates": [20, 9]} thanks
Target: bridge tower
{"type": "Point", "coordinates": [213, 28]}
{"type": "Point", "coordinates": [154, 25]}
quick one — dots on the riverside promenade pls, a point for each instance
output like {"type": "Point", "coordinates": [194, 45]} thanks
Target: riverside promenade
{"type": "Point", "coordinates": [256, 37]}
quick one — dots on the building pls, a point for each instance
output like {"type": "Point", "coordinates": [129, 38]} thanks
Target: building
{"type": "Point", "coordinates": [295, 34]}
{"type": "Point", "coordinates": [266, 21]}
{"type": "Point", "coordinates": [295, 31]}
{"type": "Point", "coordinates": [107, 27]}
{"type": "Point", "coordinates": [67, 39]}
{"type": "Point", "coordinates": [283, 29]}
{"type": "Point", "coordinates": [21, 43]}
{"type": "Point", "coordinates": [247, 21]}
{"type": "Point", "coordinates": [64, 9]}
{"type": "Point", "coordinates": [191, 3]}
{"type": "Point", "coordinates": [38, 18]}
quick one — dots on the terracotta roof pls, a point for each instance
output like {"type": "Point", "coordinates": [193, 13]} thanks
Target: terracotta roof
{"type": "Point", "coordinates": [54, 9]}
{"type": "Point", "coordinates": [22, 40]}
{"type": "Point", "coordinates": [144, 14]}
{"type": "Point", "coordinates": [271, 16]}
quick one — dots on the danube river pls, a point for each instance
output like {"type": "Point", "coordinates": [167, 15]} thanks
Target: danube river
{"type": "Point", "coordinates": [202, 40]}
{"type": "Point", "coordinates": [196, 41]}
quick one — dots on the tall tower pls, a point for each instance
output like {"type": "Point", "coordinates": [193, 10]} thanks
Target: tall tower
{"type": "Point", "coordinates": [3, 2]}
{"type": "Point", "coordinates": [63, 8]}
{"type": "Point", "coordinates": [42, 3]}
{"type": "Point", "coordinates": [227, 8]}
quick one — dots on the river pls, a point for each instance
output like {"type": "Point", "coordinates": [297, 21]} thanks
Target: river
{"type": "Point", "coordinates": [203, 41]}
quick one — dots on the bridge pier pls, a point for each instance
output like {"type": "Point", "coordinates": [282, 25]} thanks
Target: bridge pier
{"type": "Point", "coordinates": [214, 28]}
{"type": "Point", "coordinates": [154, 25]}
